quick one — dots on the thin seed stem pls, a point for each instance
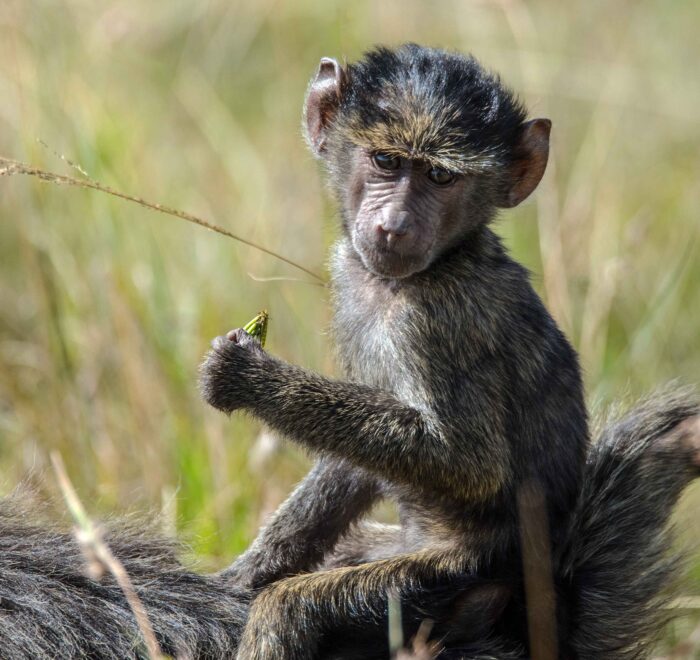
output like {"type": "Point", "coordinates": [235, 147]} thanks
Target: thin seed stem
{"type": "Point", "coordinates": [8, 167]}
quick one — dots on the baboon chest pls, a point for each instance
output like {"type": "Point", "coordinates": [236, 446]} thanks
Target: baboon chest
{"type": "Point", "coordinates": [373, 344]}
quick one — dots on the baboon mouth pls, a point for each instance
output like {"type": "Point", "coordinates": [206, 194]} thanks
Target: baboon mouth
{"type": "Point", "coordinates": [393, 261]}
{"type": "Point", "coordinates": [390, 263]}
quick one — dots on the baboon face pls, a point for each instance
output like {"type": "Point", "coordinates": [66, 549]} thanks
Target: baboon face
{"type": "Point", "coordinates": [401, 213]}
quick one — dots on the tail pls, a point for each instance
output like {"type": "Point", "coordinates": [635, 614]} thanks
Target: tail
{"type": "Point", "coordinates": [617, 564]}
{"type": "Point", "coordinates": [50, 609]}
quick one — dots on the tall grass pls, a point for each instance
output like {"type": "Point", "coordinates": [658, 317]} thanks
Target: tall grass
{"type": "Point", "coordinates": [106, 308]}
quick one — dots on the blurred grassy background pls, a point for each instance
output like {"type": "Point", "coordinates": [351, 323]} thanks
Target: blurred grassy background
{"type": "Point", "coordinates": [106, 308]}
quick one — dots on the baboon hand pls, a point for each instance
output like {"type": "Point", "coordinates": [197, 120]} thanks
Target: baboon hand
{"type": "Point", "coordinates": [232, 373]}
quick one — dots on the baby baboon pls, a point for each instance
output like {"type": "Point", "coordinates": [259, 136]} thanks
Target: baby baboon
{"type": "Point", "coordinates": [459, 388]}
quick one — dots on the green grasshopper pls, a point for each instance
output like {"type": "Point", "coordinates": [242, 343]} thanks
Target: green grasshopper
{"type": "Point", "coordinates": [257, 327]}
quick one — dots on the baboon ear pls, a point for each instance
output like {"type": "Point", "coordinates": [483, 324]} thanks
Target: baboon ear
{"type": "Point", "coordinates": [531, 154]}
{"type": "Point", "coordinates": [322, 102]}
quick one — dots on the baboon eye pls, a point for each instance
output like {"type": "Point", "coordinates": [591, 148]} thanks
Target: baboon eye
{"type": "Point", "coordinates": [440, 176]}
{"type": "Point", "coordinates": [386, 162]}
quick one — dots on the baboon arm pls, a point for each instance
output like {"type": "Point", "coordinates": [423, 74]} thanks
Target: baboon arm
{"type": "Point", "coordinates": [308, 524]}
{"type": "Point", "coordinates": [457, 442]}
{"type": "Point", "coordinates": [461, 448]}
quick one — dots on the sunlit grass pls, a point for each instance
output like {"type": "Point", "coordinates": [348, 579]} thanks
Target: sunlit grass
{"type": "Point", "coordinates": [107, 308]}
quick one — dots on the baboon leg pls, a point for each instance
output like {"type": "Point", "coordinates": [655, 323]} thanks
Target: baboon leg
{"type": "Point", "coordinates": [289, 619]}
{"type": "Point", "coordinates": [364, 542]}
{"type": "Point", "coordinates": [308, 525]}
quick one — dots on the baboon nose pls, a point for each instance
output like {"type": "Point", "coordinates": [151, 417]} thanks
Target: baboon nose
{"type": "Point", "coordinates": [393, 225]}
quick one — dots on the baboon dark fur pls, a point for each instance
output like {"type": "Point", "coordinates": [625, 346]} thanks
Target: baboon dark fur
{"type": "Point", "coordinates": [616, 565]}
{"type": "Point", "coordinates": [474, 119]}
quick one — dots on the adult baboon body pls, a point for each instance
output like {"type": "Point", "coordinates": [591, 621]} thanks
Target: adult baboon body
{"type": "Point", "coordinates": [614, 560]}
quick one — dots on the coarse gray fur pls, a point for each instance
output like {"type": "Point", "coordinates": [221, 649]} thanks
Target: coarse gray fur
{"type": "Point", "coordinates": [50, 608]}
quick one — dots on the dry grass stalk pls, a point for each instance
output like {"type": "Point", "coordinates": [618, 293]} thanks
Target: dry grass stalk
{"type": "Point", "coordinates": [100, 558]}
{"type": "Point", "coordinates": [395, 622]}
{"type": "Point", "coordinates": [8, 167]}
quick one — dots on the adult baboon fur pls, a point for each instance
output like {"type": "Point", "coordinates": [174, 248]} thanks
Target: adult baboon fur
{"type": "Point", "coordinates": [615, 569]}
